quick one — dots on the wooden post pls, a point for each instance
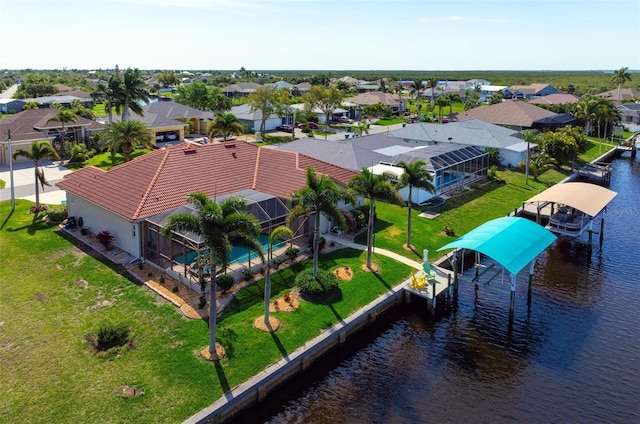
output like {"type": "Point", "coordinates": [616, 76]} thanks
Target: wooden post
{"type": "Point", "coordinates": [455, 277]}
{"type": "Point", "coordinates": [601, 231]}
{"type": "Point", "coordinates": [448, 287]}
{"type": "Point", "coordinates": [433, 298]}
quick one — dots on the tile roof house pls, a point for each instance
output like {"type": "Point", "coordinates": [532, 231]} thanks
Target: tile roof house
{"type": "Point", "coordinates": [372, 97]}
{"type": "Point", "coordinates": [169, 120]}
{"type": "Point", "coordinates": [252, 119]}
{"type": "Point", "coordinates": [626, 94]}
{"type": "Point", "coordinates": [31, 125]}
{"type": "Point", "coordinates": [555, 99]}
{"type": "Point", "coordinates": [517, 115]}
{"type": "Point", "coordinates": [240, 89]}
{"type": "Point", "coordinates": [122, 199]}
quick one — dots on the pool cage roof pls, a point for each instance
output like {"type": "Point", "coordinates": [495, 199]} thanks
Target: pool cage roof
{"type": "Point", "coordinates": [265, 207]}
{"type": "Point", "coordinates": [441, 156]}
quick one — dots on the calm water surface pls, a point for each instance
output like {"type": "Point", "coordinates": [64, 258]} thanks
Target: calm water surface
{"type": "Point", "coordinates": [574, 356]}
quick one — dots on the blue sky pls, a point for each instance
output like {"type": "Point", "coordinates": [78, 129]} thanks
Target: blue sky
{"type": "Point", "coordinates": [321, 34]}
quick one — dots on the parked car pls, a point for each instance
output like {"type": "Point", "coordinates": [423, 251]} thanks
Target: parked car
{"type": "Point", "coordinates": [311, 125]}
{"type": "Point", "coordinates": [345, 120]}
{"type": "Point", "coordinates": [285, 128]}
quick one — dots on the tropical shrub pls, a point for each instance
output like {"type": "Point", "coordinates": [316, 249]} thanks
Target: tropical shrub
{"type": "Point", "coordinates": [247, 274]}
{"type": "Point", "coordinates": [106, 239]}
{"type": "Point", "coordinates": [57, 214]}
{"type": "Point", "coordinates": [325, 286]}
{"type": "Point", "coordinates": [225, 282]}
{"type": "Point", "coordinates": [292, 253]}
{"type": "Point", "coordinates": [112, 335]}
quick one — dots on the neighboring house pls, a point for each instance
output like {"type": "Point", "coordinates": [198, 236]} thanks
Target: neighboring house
{"type": "Point", "coordinates": [62, 100]}
{"type": "Point", "coordinates": [363, 88]}
{"type": "Point", "coordinates": [396, 103]}
{"type": "Point", "coordinates": [452, 165]}
{"type": "Point", "coordinates": [77, 93]}
{"type": "Point", "coordinates": [476, 133]}
{"type": "Point", "coordinates": [31, 125]}
{"type": "Point", "coordinates": [337, 112]}
{"type": "Point", "coordinates": [518, 115]}
{"type": "Point", "coordinates": [531, 91]}
{"type": "Point", "coordinates": [252, 119]}
{"type": "Point", "coordinates": [301, 88]}
{"type": "Point", "coordinates": [281, 84]}
{"type": "Point", "coordinates": [11, 105]}
{"type": "Point", "coordinates": [626, 94]}
{"type": "Point", "coordinates": [62, 88]}
{"type": "Point", "coordinates": [131, 200]}
{"type": "Point", "coordinates": [555, 99]}
{"type": "Point", "coordinates": [169, 120]}
{"type": "Point", "coordinates": [240, 89]}
{"type": "Point", "coordinates": [487, 91]}
{"type": "Point", "coordinates": [348, 80]}
{"type": "Point", "coordinates": [630, 114]}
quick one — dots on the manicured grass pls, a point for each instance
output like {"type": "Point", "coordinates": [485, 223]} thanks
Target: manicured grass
{"type": "Point", "coordinates": [48, 373]}
{"type": "Point", "coordinates": [391, 121]}
{"type": "Point", "coordinates": [488, 200]}
{"type": "Point", "coordinates": [99, 110]}
{"type": "Point", "coordinates": [104, 161]}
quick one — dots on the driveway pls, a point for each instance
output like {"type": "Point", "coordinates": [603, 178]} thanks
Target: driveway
{"type": "Point", "coordinates": [24, 182]}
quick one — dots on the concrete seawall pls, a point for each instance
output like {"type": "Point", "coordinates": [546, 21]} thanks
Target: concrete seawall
{"type": "Point", "coordinates": [261, 385]}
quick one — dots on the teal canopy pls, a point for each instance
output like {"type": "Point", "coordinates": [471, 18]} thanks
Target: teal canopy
{"type": "Point", "coordinates": [513, 242]}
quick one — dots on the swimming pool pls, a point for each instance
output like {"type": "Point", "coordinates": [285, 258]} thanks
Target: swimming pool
{"type": "Point", "coordinates": [446, 180]}
{"type": "Point", "coordinates": [237, 255]}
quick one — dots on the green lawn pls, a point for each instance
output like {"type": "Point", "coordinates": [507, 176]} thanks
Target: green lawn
{"type": "Point", "coordinates": [389, 121]}
{"type": "Point", "coordinates": [48, 373]}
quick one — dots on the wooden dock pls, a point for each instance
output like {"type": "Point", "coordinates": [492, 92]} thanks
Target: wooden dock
{"type": "Point", "coordinates": [439, 285]}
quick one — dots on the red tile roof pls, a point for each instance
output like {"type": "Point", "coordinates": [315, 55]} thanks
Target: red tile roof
{"type": "Point", "coordinates": [555, 99]}
{"type": "Point", "coordinates": [161, 180]}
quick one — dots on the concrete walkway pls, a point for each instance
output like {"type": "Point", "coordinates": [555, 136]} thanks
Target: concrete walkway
{"type": "Point", "coordinates": [344, 241]}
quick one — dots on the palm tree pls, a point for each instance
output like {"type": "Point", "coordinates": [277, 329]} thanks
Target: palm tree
{"type": "Point", "coordinates": [221, 226]}
{"type": "Point", "coordinates": [432, 83]}
{"type": "Point", "coordinates": [442, 102]}
{"type": "Point", "coordinates": [125, 136]}
{"type": "Point", "coordinates": [64, 116]}
{"type": "Point", "coordinates": [415, 175]}
{"type": "Point", "coordinates": [277, 233]}
{"type": "Point", "coordinates": [416, 86]}
{"type": "Point", "coordinates": [112, 95]}
{"type": "Point", "coordinates": [39, 150]}
{"type": "Point", "coordinates": [373, 187]}
{"type": "Point", "coordinates": [319, 196]}
{"type": "Point", "coordinates": [134, 90]}
{"type": "Point", "coordinates": [619, 77]}
{"type": "Point", "coordinates": [227, 124]}
{"type": "Point", "coordinates": [540, 163]}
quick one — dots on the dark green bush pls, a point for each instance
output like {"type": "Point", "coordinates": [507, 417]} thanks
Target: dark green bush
{"type": "Point", "coordinates": [57, 214]}
{"type": "Point", "coordinates": [292, 253]}
{"type": "Point", "coordinates": [247, 274]}
{"type": "Point", "coordinates": [112, 335]}
{"type": "Point", "coordinates": [225, 282]}
{"type": "Point", "coordinates": [324, 286]}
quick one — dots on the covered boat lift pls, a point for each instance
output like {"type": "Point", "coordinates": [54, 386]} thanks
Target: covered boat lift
{"type": "Point", "coordinates": [513, 242]}
{"type": "Point", "coordinates": [574, 205]}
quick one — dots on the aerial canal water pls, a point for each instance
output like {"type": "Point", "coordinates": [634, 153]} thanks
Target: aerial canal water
{"type": "Point", "coordinates": [572, 357]}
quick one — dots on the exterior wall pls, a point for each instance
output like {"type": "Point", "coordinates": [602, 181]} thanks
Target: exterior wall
{"type": "Point", "coordinates": [126, 233]}
{"type": "Point", "coordinates": [12, 106]}
{"type": "Point", "coordinates": [511, 158]}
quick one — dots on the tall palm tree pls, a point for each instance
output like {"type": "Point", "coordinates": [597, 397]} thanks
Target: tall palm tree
{"type": "Point", "coordinates": [319, 196]}
{"type": "Point", "coordinates": [125, 136]}
{"type": "Point", "coordinates": [374, 187]}
{"type": "Point", "coordinates": [64, 116]}
{"type": "Point", "coordinates": [134, 89]}
{"type": "Point", "coordinates": [416, 86]}
{"type": "Point", "coordinates": [415, 175]}
{"type": "Point", "coordinates": [619, 77]}
{"type": "Point", "coordinates": [227, 124]}
{"type": "Point", "coordinates": [112, 95]}
{"type": "Point", "coordinates": [276, 234]}
{"type": "Point", "coordinates": [221, 226]}
{"type": "Point", "coordinates": [39, 150]}
{"type": "Point", "coordinates": [432, 83]}
{"type": "Point", "coordinates": [442, 102]}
